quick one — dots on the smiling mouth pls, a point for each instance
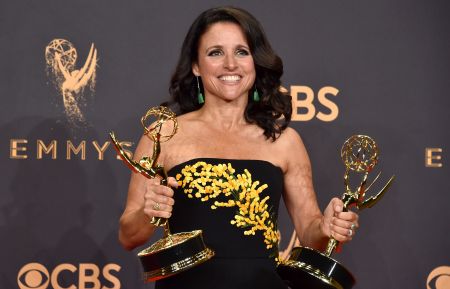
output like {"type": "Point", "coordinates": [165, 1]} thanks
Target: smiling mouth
{"type": "Point", "coordinates": [230, 78]}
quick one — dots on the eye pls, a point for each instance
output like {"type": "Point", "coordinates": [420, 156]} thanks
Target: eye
{"type": "Point", "coordinates": [242, 52]}
{"type": "Point", "coordinates": [215, 52]}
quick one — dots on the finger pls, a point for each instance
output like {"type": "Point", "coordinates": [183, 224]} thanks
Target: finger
{"type": "Point", "coordinates": [155, 209]}
{"type": "Point", "coordinates": [172, 182]}
{"type": "Point", "coordinates": [340, 237]}
{"type": "Point", "coordinates": [151, 184]}
{"type": "Point", "coordinates": [161, 190]}
{"type": "Point", "coordinates": [343, 233]}
{"type": "Point", "coordinates": [161, 199]}
{"type": "Point", "coordinates": [344, 224]}
{"type": "Point", "coordinates": [161, 207]}
{"type": "Point", "coordinates": [156, 213]}
{"type": "Point", "coordinates": [348, 216]}
{"type": "Point", "coordinates": [152, 197]}
{"type": "Point", "coordinates": [338, 205]}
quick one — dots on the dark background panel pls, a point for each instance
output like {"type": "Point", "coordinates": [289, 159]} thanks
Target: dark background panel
{"type": "Point", "coordinates": [388, 59]}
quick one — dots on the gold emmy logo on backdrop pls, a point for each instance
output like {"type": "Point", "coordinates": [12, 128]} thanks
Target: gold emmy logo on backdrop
{"type": "Point", "coordinates": [61, 58]}
{"type": "Point", "coordinates": [174, 253]}
{"type": "Point", "coordinates": [439, 278]}
{"type": "Point", "coordinates": [308, 268]}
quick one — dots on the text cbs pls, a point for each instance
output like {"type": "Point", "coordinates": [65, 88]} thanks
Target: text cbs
{"type": "Point", "coordinates": [305, 106]}
{"type": "Point", "coordinates": [86, 275]}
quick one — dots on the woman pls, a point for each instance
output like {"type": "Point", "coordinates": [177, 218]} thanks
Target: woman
{"type": "Point", "coordinates": [231, 112]}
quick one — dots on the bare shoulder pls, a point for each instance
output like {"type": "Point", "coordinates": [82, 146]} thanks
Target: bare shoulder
{"type": "Point", "coordinates": [290, 141]}
{"type": "Point", "coordinates": [289, 137]}
{"type": "Point", "coordinates": [291, 147]}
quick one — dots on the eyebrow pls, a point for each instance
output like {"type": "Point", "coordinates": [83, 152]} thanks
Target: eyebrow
{"type": "Point", "coordinates": [221, 46]}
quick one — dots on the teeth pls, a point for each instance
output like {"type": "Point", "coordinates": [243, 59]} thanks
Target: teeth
{"type": "Point", "coordinates": [230, 77]}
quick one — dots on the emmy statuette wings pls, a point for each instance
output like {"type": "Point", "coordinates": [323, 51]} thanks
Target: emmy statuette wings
{"type": "Point", "coordinates": [308, 268]}
{"type": "Point", "coordinates": [173, 253]}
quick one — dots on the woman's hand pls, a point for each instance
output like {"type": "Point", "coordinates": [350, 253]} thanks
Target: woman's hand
{"type": "Point", "coordinates": [158, 199]}
{"type": "Point", "coordinates": [338, 224]}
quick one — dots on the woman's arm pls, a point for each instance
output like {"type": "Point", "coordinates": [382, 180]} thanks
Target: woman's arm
{"type": "Point", "coordinates": [313, 228]}
{"type": "Point", "coordinates": [143, 196]}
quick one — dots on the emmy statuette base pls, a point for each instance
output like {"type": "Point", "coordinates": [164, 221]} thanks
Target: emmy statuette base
{"type": "Point", "coordinates": [308, 268]}
{"type": "Point", "coordinates": [174, 254]}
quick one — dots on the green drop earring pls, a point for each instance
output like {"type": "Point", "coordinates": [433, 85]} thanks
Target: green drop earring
{"type": "Point", "coordinates": [200, 97]}
{"type": "Point", "coordinates": [256, 97]}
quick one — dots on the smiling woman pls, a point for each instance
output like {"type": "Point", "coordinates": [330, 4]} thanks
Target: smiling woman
{"type": "Point", "coordinates": [225, 67]}
{"type": "Point", "coordinates": [234, 157]}
{"type": "Point", "coordinates": [246, 43]}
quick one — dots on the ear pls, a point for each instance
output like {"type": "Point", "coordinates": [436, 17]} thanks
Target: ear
{"type": "Point", "coordinates": [195, 69]}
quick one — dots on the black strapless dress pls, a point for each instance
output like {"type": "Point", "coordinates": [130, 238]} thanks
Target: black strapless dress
{"type": "Point", "coordinates": [240, 261]}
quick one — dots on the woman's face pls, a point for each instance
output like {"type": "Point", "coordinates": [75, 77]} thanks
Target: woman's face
{"type": "Point", "coordinates": [225, 63]}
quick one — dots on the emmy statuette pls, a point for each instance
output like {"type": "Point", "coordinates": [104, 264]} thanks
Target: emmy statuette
{"type": "Point", "coordinates": [173, 253]}
{"type": "Point", "coordinates": [308, 268]}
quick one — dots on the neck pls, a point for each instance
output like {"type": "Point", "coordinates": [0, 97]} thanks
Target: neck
{"type": "Point", "coordinates": [225, 115]}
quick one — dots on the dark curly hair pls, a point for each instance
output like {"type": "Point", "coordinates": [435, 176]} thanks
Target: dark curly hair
{"type": "Point", "coordinates": [273, 112]}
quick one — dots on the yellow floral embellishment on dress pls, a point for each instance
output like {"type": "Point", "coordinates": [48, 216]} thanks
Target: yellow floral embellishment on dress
{"type": "Point", "coordinates": [207, 182]}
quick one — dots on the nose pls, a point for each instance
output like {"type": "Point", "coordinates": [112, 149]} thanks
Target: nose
{"type": "Point", "coordinates": [230, 62]}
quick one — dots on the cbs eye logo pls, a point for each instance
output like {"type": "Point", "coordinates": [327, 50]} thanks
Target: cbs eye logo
{"type": "Point", "coordinates": [36, 276]}
{"type": "Point", "coordinates": [33, 275]}
{"type": "Point", "coordinates": [439, 278]}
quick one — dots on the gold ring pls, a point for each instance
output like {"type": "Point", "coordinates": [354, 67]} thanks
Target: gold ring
{"type": "Point", "coordinates": [156, 206]}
